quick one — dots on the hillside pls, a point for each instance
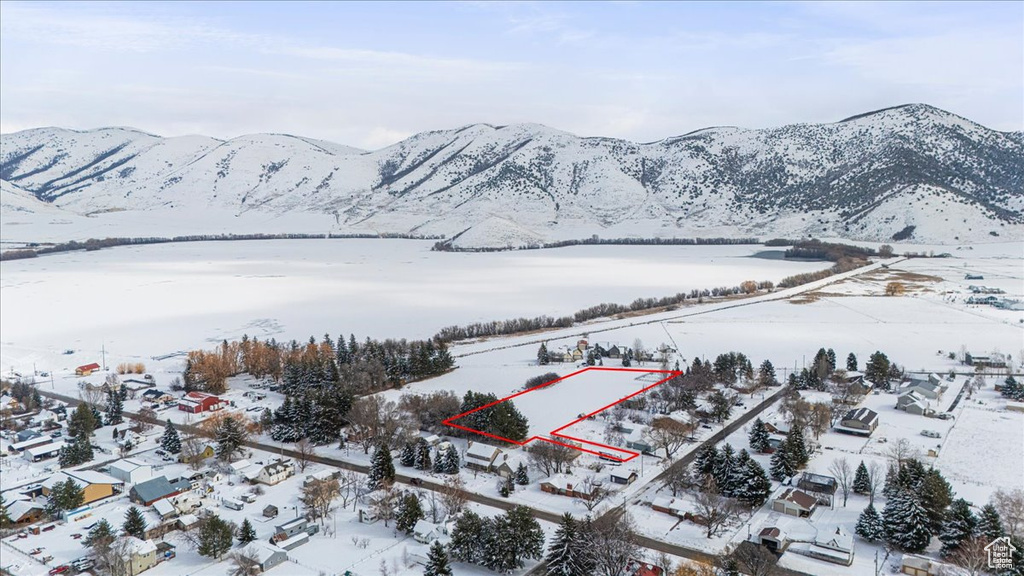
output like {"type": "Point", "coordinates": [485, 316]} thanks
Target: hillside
{"type": "Point", "coordinates": [867, 177]}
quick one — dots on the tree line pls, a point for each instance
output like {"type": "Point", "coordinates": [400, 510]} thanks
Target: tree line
{"type": "Point", "coordinates": [448, 246]}
{"type": "Point", "coordinates": [34, 249]}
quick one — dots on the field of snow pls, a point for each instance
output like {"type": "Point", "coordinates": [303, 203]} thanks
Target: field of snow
{"type": "Point", "coordinates": [140, 302]}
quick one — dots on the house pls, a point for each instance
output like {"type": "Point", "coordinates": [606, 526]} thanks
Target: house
{"type": "Point", "coordinates": [773, 539]}
{"type": "Point", "coordinates": [165, 509]}
{"type": "Point", "coordinates": [43, 451]}
{"type": "Point", "coordinates": [320, 477]}
{"type": "Point", "coordinates": [293, 533]}
{"type": "Point", "coordinates": [480, 456]}
{"type": "Point", "coordinates": [44, 419]}
{"type": "Point", "coordinates": [95, 485]}
{"type": "Point", "coordinates": [270, 511]}
{"type": "Point", "coordinates": [22, 512]}
{"type": "Point", "coordinates": [626, 478]}
{"type": "Point", "coordinates": [566, 485]}
{"type": "Point", "coordinates": [912, 403]}
{"type": "Point", "coordinates": [639, 568]}
{"type": "Point", "coordinates": [426, 532]}
{"type": "Point", "coordinates": [275, 472]}
{"type": "Point", "coordinates": [157, 396]}
{"type": "Point", "coordinates": [185, 503]}
{"type": "Point", "coordinates": [834, 545]}
{"type": "Point", "coordinates": [506, 464]}
{"type": "Point", "coordinates": [924, 388]}
{"type": "Point", "coordinates": [86, 369]}
{"type": "Point", "coordinates": [9, 404]}
{"type": "Point", "coordinates": [131, 471]}
{"type": "Point", "coordinates": [817, 483]}
{"type": "Point", "coordinates": [141, 555]}
{"type": "Point", "coordinates": [207, 452]}
{"type": "Point", "coordinates": [36, 439]}
{"type": "Point", "coordinates": [777, 426]}
{"type": "Point", "coordinates": [613, 352]}
{"type": "Point", "coordinates": [152, 490]}
{"type": "Point", "coordinates": [267, 555]}
{"type": "Point", "coordinates": [668, 505]}
{"type": "Point", "coordinates": [859, 421]}
{"type": "Point", "coordinates": [197, 402]}
{"type": "Point", "coordinates": [795, 503]}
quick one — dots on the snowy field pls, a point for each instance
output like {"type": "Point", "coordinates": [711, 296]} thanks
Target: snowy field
{"type": "Point", "coordinates": [152, 300]}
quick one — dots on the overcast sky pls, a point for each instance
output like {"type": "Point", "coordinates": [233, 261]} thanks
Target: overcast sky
{"type": "Point", "coordinates": [368, 75]}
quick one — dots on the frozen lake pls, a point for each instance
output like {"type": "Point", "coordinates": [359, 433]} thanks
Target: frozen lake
{"type": "Point", "coordinates": [152, 300]}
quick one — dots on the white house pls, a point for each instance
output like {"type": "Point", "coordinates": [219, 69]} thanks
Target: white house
{"type": "Point", "coordinates": [131, 471]}
{"type": "Point", "coordinates": [426, 532]}
{"type": "Point", "coordinates": [480, 456]}
{"type": "Point", "coordinates": [275, 473]}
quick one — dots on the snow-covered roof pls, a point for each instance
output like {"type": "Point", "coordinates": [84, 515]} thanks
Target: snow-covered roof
{"type": "Point", "coordinates": [82, 477]}
{"type": "Point", "coordinates": [45, 448]}
{"type": "Point", "coordinates": [262, 551]}
{"type": "Point", "coordinates": [140, 547]}
{"type": "Point", "coordinates": [240, 465]}
{"type": "Point", "coordinates": [835, 538]}
{"type": "Point", "coordinates": [19, 508]}
{"type": "Point", "coordinates": [127, 465]}
{"type": "Point", "coordinates": [423, 527]}
{"type": "Point", "coordinates": [563, 481]}
{"type": "Point", "coordinates": [164, 507]}
{"type": "Point", "coordinates": [481, 451]}
{"type": "Point", "coordinates": [188, 519]}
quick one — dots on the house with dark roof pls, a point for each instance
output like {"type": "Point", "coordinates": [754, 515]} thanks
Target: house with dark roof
{"type": "Point", "coordinates": [773, 539]}
{"type": "Point", "coordinates": [480, 456]}
{"type": "Point", "coordinates": [795, 503]}
{"type": "Point", "coordinates": [196, 402]}
{"type": "Point", "coordinates": [859, 421]}
{"type": "Point", "coordinates": [150, 491]}
{"type": "Point", "coordinates": [913, 403]}
{"type": "Point", "coordinates": [819, 485]}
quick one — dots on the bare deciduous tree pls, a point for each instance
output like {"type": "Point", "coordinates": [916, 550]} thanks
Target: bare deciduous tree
{"type": "Point", "coordinates": [244, 563]}
{"type": "Point", "coordinates": [613, 542]}
{"type": "Point", "coordinates": [754, 559]}
{"type": "Point", "coordinates": [843, 473]}
{"type": "Point", "coordinates": [385, 502]}
{"type": "Point", "coordinates": [1010, 505]}
{"type": "Point", "coordinates": [592, 486]}
{"type": "Point", "coordinates": [454, 496]}
{"type": "Point", "coordinates": [900, 451]}
{"type": "Point", "coordinates": [820, 418]}
{"type": "Point", "coordinates": [373, 420]}
{"type": "Point", "coordinates": [876, 478]}
{"type": "Point", "coordinates": [668, 434]}
{"type": "Point", "coordinates": [678, 478]}
{"type": "Point", "coordinates": [348, 487]}
{"type": "Point", "coordinates": [551, 458]}
{"type": "Point", "coordinates": [305, 449]}
{"type": "Point", "coordinates": [972, 556]}
{"type": "Point", "coordinates": [192, 448]}
{"type": "Point", "coordinates": [318, 497]}
{"type": "Point", "coordinates": [717, 510]}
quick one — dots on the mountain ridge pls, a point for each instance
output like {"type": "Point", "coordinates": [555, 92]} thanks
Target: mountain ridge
{"type": "Point", "coordinates": [866, 177]}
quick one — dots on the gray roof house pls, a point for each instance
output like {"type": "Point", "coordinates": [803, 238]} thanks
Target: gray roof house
{"type": "Point", "coordinates": [859, 421]}
{"type": "Point", "coordinates": [267, 555]}
{"type": "Point", "coordinates": [150, 491]}
{"type": "Point", "coordinates": [912, 403]}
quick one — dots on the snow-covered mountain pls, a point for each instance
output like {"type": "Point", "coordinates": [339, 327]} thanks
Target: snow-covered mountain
{"type": "Point", "coordinates": [867, 177]}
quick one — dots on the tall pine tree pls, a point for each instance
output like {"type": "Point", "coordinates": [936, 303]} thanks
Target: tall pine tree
{"type": "Point", "coordinates": [382, 468]}
{"type": "Point", "coordinates": [569, 554]}
{"type": "Point", "coordinates": [906, 522]}
{"type": "Point", "coordinates": [409, 513]}
{"type": "Point", "coordinates": [437, 561]}
{"type": "Point", "coordinates": [869, 525]}
{"type": "Point", "coordinates": [115, 407]}
{"type": "Point", "coordinates": [958, 526]}
{"type": "Point", "coordinates": [170, 441]}
{"type": "Point", "coordinates": [759, 436]}
{"type": "Point", "coordinates": [246, 533]}
{"type": "Point", "coordinates": [862, 480]}
{"type": "Point", "coordinates": [134, 523]}
{"type": "Point", "coordinates": [990, 526]}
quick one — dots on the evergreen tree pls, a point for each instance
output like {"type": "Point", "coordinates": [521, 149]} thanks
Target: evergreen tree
{"type": "Point", "coordinates": [134, 523]}
{"type": "Point", "coordinates": [101, 535]}
{"type": "Point", "coordinates": [766, 374]}
{"type": "Point", "coordinates": [170, 441]}
{"type": "Point", "coordinates": [851, 362]}
{"type": "Point", "coordinates": [507, 487]}
{"type": "Point", "coordinates": [755, 491]}
{"type": "Point", "coordinates": [409, 513]}
{"type": "Point", "coordinates": [935, 496]}
{"type": "Point", "coordinates": [568, 554]}
{"type": "Point", "coordinates": [382, 468]}
{"type": "Point", "coordinates": [869, 525]}
{"type": "Point", "coordinates": [96, 416]}
{"type": "Point", "coordinates": [723, 468]}
{"type": "Point", "coordinates": [781, 466]}
{"type": "Point", "coordinates": [862, 480]}
{"type": "Point", "coordinates": [246, 533]}
{"type": "Point", "coordinates": [891, 485]}
{"type": "Point", "coordinates": [522, 477]}
{"type": "Point", "coordinates": [451, 461]}
{"type": "Point", "coordinates": [906, 522]}
{"type": "Point", "coordinates": [230, 436]}
{"type": "Point", "coordinates": [437, 561]}
{"type": "Point", "coordinates": [759, 437]}
{"type": "Point", "coordinates": [423, 461]}
{"type": "Point", "coordinates": [990, 526]}
{"type": "Point", "coordinates": [877, 370]}
{"type": "Point", "coordinates": [796, 448]}
{"type": "Point", "coordinates": [82, 422]}
{"type": "Point", "coordinates": [516, 536]}
{"type": "Point", "coordinates": [115, 407]}
{"type": "Point", "coordinates": [408, 455]}
{"type": "Point", "coordinates": [959, 525]}
{"type": "Point", "coordinates": [215, 537]}
{"type": "Point", "coordinates": [66, 495]}
{"type": "Point", "coordinates": [542, 355]}
{"type": "Point", "coordinates": [704, 462]}
{"type": "Point", "coordinates": [466, 544]}
{"type": "Point", "coordinates": [830, 355]}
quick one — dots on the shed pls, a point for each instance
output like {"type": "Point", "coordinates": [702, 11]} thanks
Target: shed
{"type": "Point", "coordinates": [131, 471]}
{"type": "Point", "coordinates": [270, 511]}
{"type": "Point", "coordinates": [197, 402]}
{"type": "Point", "coordinates": [795, 503]}
{"type": "Point", "coordinates": [86, 369]}
{"type": "Point", "coordinates": [623, 477]}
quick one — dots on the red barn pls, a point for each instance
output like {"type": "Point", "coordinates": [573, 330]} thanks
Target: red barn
{"type": "Point", "coordinates": [87, 369]}
{"type": "Point", "coordinates": [196, 402]}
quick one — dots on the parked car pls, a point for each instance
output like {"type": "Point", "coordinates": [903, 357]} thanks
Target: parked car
{"type": "Point", "coordinates": [50, 527]}
{"type": "Point", "coordinates": [161, 453]}
{"type": "Point", "coordinates": [60, 569]}
{"type": "Point", "coordinates": [35, 551]}
{"type": "Point", "coordinates": [76, 536]}
{"type": "Point", "coordinates": [415, 481]}
{"type": "Point", "coordinates": [931, 434]}
{"type": "Point", "coordinates": [944, 416]}
{"type": "Point", "coordinates": [56, 434]}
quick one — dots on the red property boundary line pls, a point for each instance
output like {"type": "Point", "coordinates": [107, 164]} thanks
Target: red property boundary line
{"type": "Point", "coordinates": [556, 432]}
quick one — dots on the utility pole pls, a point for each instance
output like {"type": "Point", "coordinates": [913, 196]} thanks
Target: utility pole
{"type": "Point", "coordinates": [104, 353]}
